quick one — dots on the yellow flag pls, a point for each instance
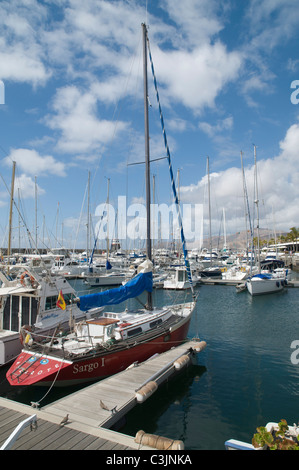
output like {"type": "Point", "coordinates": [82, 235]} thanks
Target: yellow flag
{"type": "Point", "coordinates": [60, 301]}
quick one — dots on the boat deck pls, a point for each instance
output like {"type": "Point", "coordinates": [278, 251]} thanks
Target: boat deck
{"type": "Point", "coordinates": [69, 353]}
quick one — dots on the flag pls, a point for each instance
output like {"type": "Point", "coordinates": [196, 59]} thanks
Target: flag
{"type": "Point", "coordinates": [60, 301]}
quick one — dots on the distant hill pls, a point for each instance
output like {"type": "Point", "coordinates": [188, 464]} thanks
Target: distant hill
{"type": "Point", "coordinates": [236, 241]}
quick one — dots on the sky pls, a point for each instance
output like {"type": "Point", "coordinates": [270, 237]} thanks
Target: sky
{"type": "Point", "coordinates": [71, 111]}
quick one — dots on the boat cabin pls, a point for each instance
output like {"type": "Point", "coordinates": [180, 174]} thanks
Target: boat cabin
{"type": "Point", "coordinates": [119, 326]}
{"type": "Point", "coordinates": [99, 330]}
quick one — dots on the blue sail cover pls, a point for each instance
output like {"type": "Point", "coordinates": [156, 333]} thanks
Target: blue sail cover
{"type": "Point", "coordinates": [262, 276]}
{"type": "Point", "coordinates": [133, 288]}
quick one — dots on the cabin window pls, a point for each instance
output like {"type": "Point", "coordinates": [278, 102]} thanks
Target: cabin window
{"type": "Point", "coordinates": [51, 302]}
{"type": "Point", "coordinates": [29, 307]}
{"type": "Point", "coordinates": [155, 323]}
{"type": "Point", "coordinates": [181, 276]}
{"type": "Point", "coordinates": [134, 332]}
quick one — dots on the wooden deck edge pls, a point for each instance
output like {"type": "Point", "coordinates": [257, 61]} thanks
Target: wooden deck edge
{"type": "Point", "coordinates": [100, 432]}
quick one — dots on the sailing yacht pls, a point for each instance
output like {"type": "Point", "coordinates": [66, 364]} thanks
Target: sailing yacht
{"type": "Point", "coordinates": [102, 347]}
{"type": "Point", "coordinates": [264, 282]}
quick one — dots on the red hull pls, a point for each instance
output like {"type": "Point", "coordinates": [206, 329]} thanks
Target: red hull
{"type": "Point", "coordinates": [29, 369]}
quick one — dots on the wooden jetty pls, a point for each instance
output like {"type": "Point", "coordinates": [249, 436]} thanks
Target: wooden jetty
{"type": "Point", "coordinates": [210, 281]}
{"type": "Point", "coordinates": [95, 411]}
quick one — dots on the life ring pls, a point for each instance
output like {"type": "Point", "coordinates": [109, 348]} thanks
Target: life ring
{"type": "Point", "coordinates": [25, 275]}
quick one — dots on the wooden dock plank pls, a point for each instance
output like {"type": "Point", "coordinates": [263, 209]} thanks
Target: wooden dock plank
{"type": "Point", "coordinates": [9, 424]}
{"type": "Point", "coordinates": [28, 438]}
{"type": "Point", "coordinates": [96, 445]}
{"type": "Point", "coordinates": [90, 417]}
{"type": "Point", "coordinates": [39, 441]}
{"type": "Point", "coordinates": [65, 439]}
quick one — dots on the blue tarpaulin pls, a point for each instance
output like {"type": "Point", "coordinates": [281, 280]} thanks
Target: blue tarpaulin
{"type": "Point", "coordinates": [133, 288]}
{"type": "Point", "coordinates": [262, 276]}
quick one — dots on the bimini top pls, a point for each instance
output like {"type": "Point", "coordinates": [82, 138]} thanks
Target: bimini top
{"type": "Point", "coordinates": [140, 283]}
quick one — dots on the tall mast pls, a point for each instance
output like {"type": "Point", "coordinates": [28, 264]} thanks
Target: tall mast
{"type": "Point", "coordinates": [224, 229]}
{"type": "Point", "coordinates": [209, 196]}
{"type": "Point", "coordinates": [88, 216]}
{"type": "Point", "coordinates": [35, 186]}
{"type": "Point", "coordinates": [257, 211]}
{"type": "Point", "coordinates": [10, 211]}
{"type": "Point", "coordinates": [147, 157]}
{"type": "Point", "coordinates": [244, 195]}
{"type": "Point", "coordinates": [108, 188]}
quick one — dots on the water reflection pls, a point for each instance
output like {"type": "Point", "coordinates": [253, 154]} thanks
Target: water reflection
{"type": "Point", "coordinates": [168, 410]}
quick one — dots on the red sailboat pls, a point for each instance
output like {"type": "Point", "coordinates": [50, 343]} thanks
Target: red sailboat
{"type": "Point", "coordinates": [102, 347]}
{"type": "Point", "coordinates": [109, 344]}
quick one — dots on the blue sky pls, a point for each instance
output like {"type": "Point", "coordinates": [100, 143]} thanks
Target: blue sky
{"type": "Point", "coordinates": [72, 73]}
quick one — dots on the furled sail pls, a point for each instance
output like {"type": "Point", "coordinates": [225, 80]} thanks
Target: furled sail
{"type": "Point", "coordinates": [140, 283]}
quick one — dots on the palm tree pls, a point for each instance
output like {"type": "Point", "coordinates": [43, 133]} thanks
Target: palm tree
{"type": "Point", "coordinates": [293, 235]}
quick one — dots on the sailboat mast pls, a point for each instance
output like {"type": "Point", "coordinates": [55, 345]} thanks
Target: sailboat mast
{"type": "Point", "coordinates": [257, 210]}
{"type": "Point", "coordinates": [108, 188]}
{"type": "Point", "coordinates": [10, 213]}
{"type": "Point", "coordinates": [224, 229]}
{"type": "Point", "coordinates": [210, 222]}
{"type": "Point", "coordinates": [147, 156]}
{"type": "Point", "coordinates": [88, 215]}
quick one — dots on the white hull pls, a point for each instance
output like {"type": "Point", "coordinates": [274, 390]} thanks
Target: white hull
{"type": "Point", "coordinates": [105, 280]}
{"type": "Point", "coordinates": [256, 286]}
{"type": "Point", "coordinates": [176, 285]}
{"type": "Point", "coordinates": [179, 280]}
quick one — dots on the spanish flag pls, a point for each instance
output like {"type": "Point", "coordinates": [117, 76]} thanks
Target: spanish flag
{"type": "Point", "coordinates": [60, 301]}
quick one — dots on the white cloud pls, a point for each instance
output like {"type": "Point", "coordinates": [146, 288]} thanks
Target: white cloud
{"type": "Point", "coordinates": [281, 20]}
{"type": "Point", "coordinates": [198, 21]}
{"type": "Point", "coordinates": [178, 125]}
{"type": "Point", "coordinates": [31, 163]}
{"type": "Point", "coordinates": [21, 54]}
{"type": "Point", "coordinates": [201, 76]}
{"type": "Point", "coordinates": [268, 25]}
{"type": "Point", "coordinates": [278, 186]}
{"type": "Point", "coordinates": [27, 187]}
{"type": "Point", "coordinates": [75, 117]}
{"type": "Point", "coordinates": [213, 130]}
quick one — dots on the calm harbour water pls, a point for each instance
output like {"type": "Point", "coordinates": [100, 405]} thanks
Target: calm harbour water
{"type": "Point", "coordinates": [244, 378]}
